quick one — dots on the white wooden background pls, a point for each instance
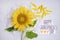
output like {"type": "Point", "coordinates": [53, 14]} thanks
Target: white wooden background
{"type": "Point", "coordinates": [6, 8]}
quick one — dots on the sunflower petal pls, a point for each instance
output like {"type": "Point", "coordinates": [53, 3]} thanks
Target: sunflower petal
{"type": "Point", "coordinates": [34, 5]}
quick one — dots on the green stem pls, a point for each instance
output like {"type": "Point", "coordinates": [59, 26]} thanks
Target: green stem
{"type": "Point", "coordinates": [22, 35]}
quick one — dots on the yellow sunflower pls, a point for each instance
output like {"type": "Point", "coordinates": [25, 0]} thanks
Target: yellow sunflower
{"type": "Point", "coordinates": [22, 17]}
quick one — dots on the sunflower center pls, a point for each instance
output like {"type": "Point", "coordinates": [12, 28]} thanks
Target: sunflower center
{"type": "Point", "coordinates": [21, 19]}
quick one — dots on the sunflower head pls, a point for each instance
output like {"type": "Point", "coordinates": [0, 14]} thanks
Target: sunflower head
{"type": "Point", "coordinates": [22, 17]}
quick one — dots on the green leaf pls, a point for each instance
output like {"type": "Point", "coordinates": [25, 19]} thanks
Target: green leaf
{"type": "Point", "coordinates": [33, 23]}
{"type": "Point", "coordinates": [10, 29]}
{"type": "Point", "coordinates": [31, 34]}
